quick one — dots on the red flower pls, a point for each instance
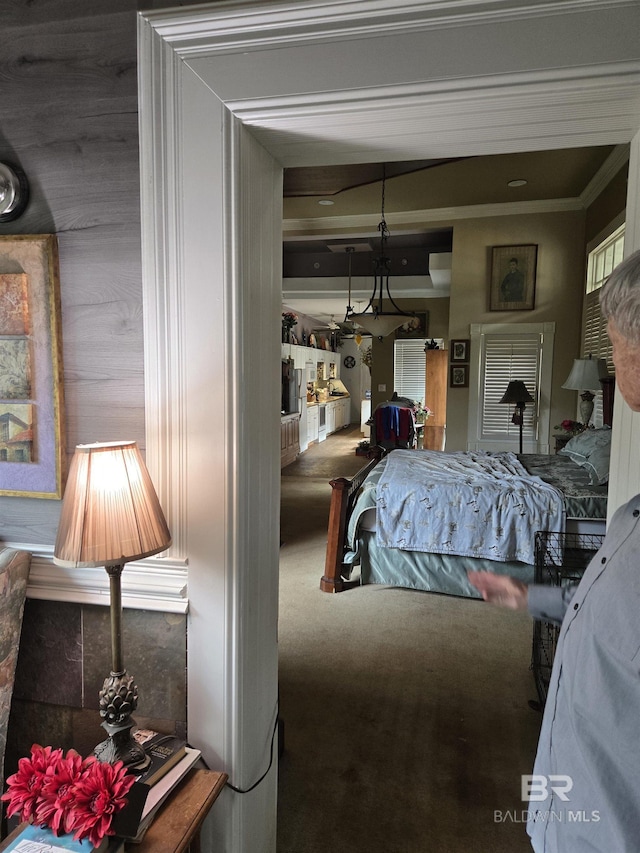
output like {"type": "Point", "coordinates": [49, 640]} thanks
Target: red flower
{"type": "Point", "coordinates": [57, 796]}
{"type": "Point", "coordinates": [25, 786]}
{"type": "Point", "coordinates": [99, 794]}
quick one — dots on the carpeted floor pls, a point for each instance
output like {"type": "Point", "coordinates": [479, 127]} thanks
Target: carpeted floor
{"type": "Point", "coordinates": [407, 725]}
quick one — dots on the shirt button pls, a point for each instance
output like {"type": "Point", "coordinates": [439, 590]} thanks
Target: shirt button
{"type": "Point", "coordinates": [575, 606]}
{"type": "Point", "coordinates": [636, 513]}
{"type": "Point", "coordinates": [603, 560]}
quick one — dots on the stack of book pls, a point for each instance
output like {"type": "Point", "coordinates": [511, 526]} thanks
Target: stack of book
{"type": "Point", "coordinates": [170, 760]}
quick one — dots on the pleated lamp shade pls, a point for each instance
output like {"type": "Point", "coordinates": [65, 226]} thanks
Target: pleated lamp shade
{"type": "Point", "coordinates": [110, 512]}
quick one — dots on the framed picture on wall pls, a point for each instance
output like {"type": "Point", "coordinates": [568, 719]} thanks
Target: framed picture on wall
{"type": "Point", "coordinates": [459, 350]}
{"type": "Point", "coordinates": [513, 278]}
{"type": "Point", "coordinates": [31, 390]}
{"type": "Point", "coordinates": [459, 376]}
{"type": "Point", "coordinates": [416, 327]}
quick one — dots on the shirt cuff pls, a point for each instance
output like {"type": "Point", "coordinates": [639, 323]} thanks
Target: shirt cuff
{"type": "Point", "coordinates": [547, 602]}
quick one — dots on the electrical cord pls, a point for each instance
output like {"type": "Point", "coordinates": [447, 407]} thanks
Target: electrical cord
{"type": "Point", "coordinates": [255, 784]}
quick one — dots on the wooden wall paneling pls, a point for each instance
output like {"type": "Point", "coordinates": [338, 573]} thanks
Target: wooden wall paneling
{"type": "Point", "coordinates": [70, 120]}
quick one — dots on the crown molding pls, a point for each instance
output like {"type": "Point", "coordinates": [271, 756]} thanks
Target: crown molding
{"type": "Point", "coordinates": [231, 27]}
{"type": "Point", "coordinates": [157, 583]}
{"type": "Point", "coordinates": [611, 166]}
{"type": "Point", "coordinates": [327, 225]}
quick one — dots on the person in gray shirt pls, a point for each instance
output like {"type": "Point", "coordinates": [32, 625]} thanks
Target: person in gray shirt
{"type": "Point", "coordinates": [585, 791]}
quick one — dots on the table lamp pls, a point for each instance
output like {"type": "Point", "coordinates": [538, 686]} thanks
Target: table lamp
{"type": "Point", "coordinates": [517, 393]}
{"type": "Point", "coordinates": [110, 516]}
{"type": "Point", "coordinates": [585, 376]}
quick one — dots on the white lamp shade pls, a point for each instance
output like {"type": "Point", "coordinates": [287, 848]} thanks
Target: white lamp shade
{"type": "Point", "coordinates": [381, 324]}
{"type": "Point", "coordinates": [110, 512]}
{"type": "Point", "coordinates": [586, 374]}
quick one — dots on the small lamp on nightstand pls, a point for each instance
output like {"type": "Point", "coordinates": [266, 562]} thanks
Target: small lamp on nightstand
{"type": "Point", "coordinates": [517, 393]}
{"type": "Point", "coordinates": [585, 376]}
{"type": "Point", "coordinates": [110, 516]}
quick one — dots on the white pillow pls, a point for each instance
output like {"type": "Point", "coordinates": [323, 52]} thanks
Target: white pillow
{"type": "Point", "coordinates": [581, 446]}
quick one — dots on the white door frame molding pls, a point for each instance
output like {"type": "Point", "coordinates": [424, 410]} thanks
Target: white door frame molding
{"type": "Point", "coordinates": [226, 99]}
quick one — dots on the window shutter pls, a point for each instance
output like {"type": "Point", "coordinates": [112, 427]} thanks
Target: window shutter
{"type": "Point", "coordinates": [595, 340]}
{"type": "Point", "coordinates": [507, 357]}
{"type": "Point", "coordinates": [409, 368]}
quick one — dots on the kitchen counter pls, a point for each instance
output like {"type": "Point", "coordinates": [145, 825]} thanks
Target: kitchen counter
{"type": "Point", "coordinates": [332, 399]}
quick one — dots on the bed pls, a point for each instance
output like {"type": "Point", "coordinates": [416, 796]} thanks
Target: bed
{"type": "Point", "coordinates": [492, 503]}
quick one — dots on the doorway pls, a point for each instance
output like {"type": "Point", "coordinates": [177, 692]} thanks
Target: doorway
{"type": "Point", "coordinates": [219, 115]}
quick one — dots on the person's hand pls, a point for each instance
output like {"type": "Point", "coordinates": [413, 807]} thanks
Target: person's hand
{"type": "Point", "coordinates": [500, 589]}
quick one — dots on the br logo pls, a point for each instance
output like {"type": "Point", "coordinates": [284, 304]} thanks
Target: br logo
{"type": "Point", "coordinates": [535, 788]}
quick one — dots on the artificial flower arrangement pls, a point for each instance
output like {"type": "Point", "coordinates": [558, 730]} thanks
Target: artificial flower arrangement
{"type": "Point", "coordinates": [423, 413]}
{"type": "Point", "coordinates": [570, 427]}
{"type": "Point", "coordinates": [289, 319]}
{"type": "Point", "coordinates": [366, 357]}
{"type": "Point", "coordinates": [68, 794]}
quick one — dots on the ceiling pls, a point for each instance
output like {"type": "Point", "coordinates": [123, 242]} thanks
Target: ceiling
{"type": "Point", "coordinates": [327, 208]}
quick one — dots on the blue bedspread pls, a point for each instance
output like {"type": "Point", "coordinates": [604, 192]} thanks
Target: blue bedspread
{"type": "Point", "coordinates": [472, 504]}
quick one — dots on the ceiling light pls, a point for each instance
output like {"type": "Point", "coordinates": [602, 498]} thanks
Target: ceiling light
{"type": "Point", "coordinates": [518, 182]}
{"type": "Point", "coordinates": [325, 201]}
{"type": "Point", "coordinates": [374, 319]}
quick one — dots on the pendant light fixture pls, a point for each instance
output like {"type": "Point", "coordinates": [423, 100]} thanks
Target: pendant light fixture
{"type": "Point", "coordinates": [349, 312]}
{"type": "Point", "coordinates": [374, 319]}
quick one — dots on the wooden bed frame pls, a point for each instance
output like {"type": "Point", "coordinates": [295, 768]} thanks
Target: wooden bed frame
{"type": "Point", "coordinates": [343, 496]}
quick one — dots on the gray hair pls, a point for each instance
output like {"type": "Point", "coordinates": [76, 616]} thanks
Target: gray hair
{"type": "Point", "coordinates": [620, 298]}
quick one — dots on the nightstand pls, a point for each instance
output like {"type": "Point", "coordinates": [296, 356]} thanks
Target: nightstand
{"type": "Point", "coordinates": [176, 828]}
{"type": "Point", "coordinates": [561, 439]}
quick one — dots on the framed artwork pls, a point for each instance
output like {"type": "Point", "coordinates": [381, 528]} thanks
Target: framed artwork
{"type": "Point", "coordinates": [459, 350]}
{"type": "Point", "coordinates": [459, 376]}
{"type": "Point", "coordinates": [513, 278]}
{"type": "Point", "coordinates": [31, 388]}
{"type": "Point", "coordinates": [416, 327]}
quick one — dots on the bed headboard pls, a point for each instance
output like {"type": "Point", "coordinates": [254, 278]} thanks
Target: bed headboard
{"type": "Point", "coordinates": [608, 394]}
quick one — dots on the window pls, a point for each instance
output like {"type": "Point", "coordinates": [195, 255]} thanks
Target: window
{"type": "Point", "coordinates": [501, 353]}
{"type": "Point", "coordinates": [604, 258]}
{"type": "Point", "coordinates": [507, 357]}
{"type": "Point", "coordinates": [601, 263]}
{"type": "Point", "coordinates": [595, 341]}
{"type": "Point", "coordinates": [409, 368]}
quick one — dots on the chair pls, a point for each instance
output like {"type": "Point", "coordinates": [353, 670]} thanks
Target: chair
{"type": "Point", "coordinates": [393, 426]}
{"type": "Point", "coordinates": [14, 574]}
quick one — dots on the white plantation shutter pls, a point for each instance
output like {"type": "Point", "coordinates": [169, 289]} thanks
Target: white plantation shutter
{"type": "Point", "coordinates": [506, 358]}
{"type": "Point", "coordinates": [409, 365]}
{"type": "Point", "coordinates": [595, 341]}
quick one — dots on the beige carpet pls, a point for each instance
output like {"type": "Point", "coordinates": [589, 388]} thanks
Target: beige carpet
{"type": "Point", "coordinates": [406, 718]}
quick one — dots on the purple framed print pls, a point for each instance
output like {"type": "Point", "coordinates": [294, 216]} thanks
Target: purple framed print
{"type": "Point", "coordinates": [31, 388]}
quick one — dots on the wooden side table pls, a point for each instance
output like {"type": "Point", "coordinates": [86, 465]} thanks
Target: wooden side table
{"type": "Point", "coordinates": [561, 439]}
{"type": "Point", "coordinates": [176, 827]}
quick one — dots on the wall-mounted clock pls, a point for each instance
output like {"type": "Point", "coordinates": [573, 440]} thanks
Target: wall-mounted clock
{"type": "Point", "coordinates": [349, 361]}
{"type": "Point", "coordinates": [14, 192]}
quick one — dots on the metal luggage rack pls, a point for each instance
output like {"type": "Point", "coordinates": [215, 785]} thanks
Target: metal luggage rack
{"type": "Point", "coordinates": [560, 559]}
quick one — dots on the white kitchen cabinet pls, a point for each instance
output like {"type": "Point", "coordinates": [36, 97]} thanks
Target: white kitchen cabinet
{"type": "Point", "coordinates": [331, 417]}
{"type": "Point", "coordinates": [312, 423]}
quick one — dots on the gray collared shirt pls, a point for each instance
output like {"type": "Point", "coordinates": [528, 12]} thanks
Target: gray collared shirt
{"type": "Point", "coordinates": [591, 725]}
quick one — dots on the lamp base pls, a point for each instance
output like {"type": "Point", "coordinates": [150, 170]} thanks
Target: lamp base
{"type": "Point", "coordinates": [586, 407]}
{"type": "Point", "coordinates": [121, 746]}
{"type": "Point", "coordinates": [118, 698]}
